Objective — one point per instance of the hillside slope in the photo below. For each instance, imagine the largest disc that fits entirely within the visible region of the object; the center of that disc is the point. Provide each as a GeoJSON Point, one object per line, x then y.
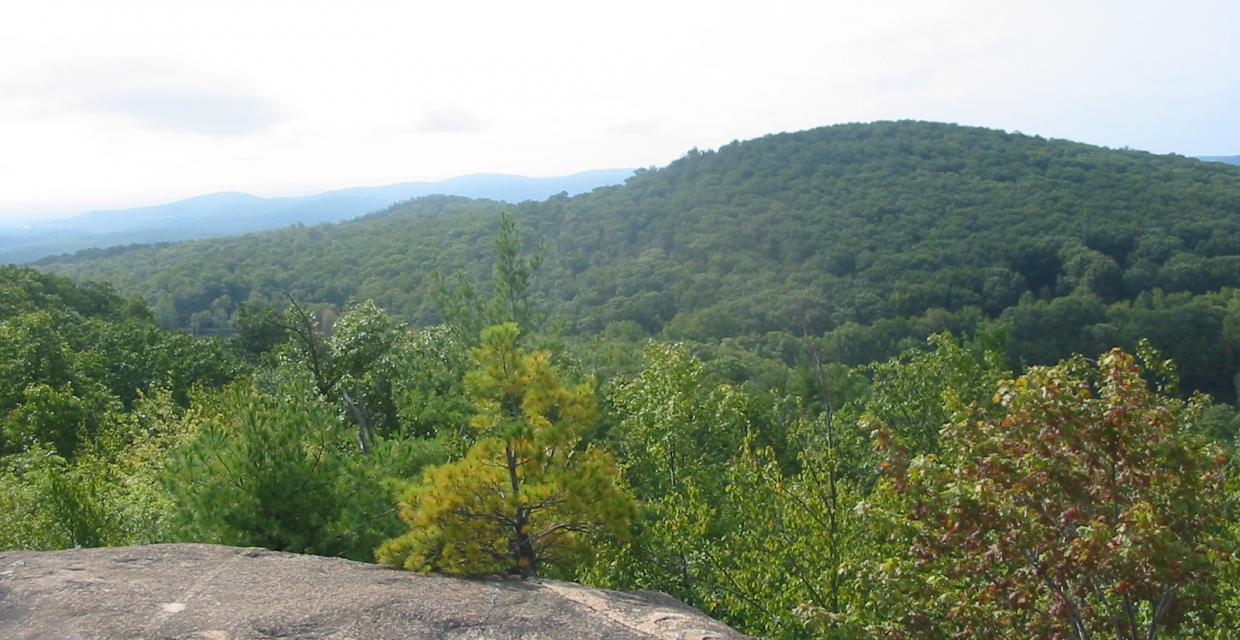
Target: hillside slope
{"type": "Point", "coordinates": [825, 230]}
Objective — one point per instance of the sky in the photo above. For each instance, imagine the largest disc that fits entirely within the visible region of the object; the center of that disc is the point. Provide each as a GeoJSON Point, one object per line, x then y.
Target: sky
{"type": "Point", "coordinates": [128, 102]}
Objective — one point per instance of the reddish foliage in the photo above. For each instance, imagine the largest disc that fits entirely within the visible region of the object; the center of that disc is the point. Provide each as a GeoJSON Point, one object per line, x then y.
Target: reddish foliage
{"type": "Point", "coordinates": [1085, 508]}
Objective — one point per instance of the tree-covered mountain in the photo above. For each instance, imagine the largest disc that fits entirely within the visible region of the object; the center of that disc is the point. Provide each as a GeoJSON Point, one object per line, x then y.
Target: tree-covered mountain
{"type": "Point", "coordinates": [232, 213]}
{"type": "Point", "coordinates": [857, 502]}
{"type": "Point", "coordinates": [868, 235]}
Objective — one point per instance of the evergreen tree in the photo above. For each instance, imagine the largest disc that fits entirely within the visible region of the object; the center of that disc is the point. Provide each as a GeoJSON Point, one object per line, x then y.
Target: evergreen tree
{"type": "Point", "coordinates": [527, 496]}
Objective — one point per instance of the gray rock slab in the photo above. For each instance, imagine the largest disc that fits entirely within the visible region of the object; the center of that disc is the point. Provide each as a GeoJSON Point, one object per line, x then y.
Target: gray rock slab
{"type": "Point", "coordinates": [211, 592]}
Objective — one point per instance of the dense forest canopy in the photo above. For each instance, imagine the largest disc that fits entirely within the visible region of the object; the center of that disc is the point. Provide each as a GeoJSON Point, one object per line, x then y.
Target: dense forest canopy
{"type": "Point", "coordinates": [865, 502]}
{"type": "Point", "coordinates": [860, 381]}
{"type": "Point", "coordinates": [871, 235]}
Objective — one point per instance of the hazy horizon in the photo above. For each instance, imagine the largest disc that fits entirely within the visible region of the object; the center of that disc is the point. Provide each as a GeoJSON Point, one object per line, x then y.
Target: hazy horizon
{"type": "Point", "coordinates": [141, 102]}
{"type": "Point", "coordinates": [18, 219]}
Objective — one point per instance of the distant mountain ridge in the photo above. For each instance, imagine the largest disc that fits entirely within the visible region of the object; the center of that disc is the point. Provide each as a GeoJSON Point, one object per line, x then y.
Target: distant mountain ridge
{"type": "Point", "coordinates": [1228, 159]}
{"type": "Point", "coordinates": [234, 213]}
{"type": "Point", "coordinates": [871, 235]}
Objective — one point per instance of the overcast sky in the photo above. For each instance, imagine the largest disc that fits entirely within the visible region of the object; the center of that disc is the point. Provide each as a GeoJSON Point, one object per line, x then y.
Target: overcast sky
{"type": "Point", "coordinates": [122, 103]}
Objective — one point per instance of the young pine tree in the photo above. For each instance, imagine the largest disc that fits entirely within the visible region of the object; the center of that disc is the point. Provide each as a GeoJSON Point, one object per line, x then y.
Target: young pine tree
{"type": "Point", "coordinates": [527, 496]}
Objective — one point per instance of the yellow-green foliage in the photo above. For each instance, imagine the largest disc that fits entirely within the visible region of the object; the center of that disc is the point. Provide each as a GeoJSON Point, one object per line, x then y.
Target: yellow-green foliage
{"type": "Point", "coordinates": [108, 494]}
{"type": "Point", "coordinates": [526, 496]}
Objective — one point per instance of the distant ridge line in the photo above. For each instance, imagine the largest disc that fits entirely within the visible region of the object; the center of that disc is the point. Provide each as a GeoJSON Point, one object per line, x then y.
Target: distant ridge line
{"type": "Point", "coordinates": [231, 213]}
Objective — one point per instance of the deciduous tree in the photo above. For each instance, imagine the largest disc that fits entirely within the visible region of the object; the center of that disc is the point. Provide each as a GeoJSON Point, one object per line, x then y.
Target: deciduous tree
{"type": "Point", "coordinates": [1083, 506]}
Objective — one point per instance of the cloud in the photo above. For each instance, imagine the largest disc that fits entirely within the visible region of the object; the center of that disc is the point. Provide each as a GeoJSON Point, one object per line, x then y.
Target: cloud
{"type": "Point", "coordinates": [636, 127]}
{"type": "Point", "coordinates": [450, 120]}
{"type": "Point", "coordinates": [203, 112]}
{"type": "Point", "coordinates": [159, 97]}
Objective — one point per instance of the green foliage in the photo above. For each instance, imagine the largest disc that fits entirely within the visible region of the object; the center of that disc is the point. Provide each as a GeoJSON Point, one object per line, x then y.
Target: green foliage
{"type": "Point", "coordinates": [465, 313]}
{"type": "Point", "coordinates": [1194, 330]}
{"type": "Point", "coordinates": [913, 396]}
{"type": "Point", "coordinates": [366, 485]}
{"type": "Point", "coordinates": [428, 384]}
{"type": "Point", "coordinates": [260, 471]}
{"type": "Point", "coordinates": [885, 232]}
{"type": "Point", "coordinates": [108, 494]}
{"type": "Point", "coordinates": [47, 416]}
{"type": "Point", "coordinates": [360, 338]}
{"type": "Point", "coordinates": [677, 426]}
{"type": "Point", "coordinates": [727, 524]}
{"type": "Point", "coordinates": [790, 566]}
{"type": "Point", "coordinates": [25, 290]}
{"type": "Point", "coordinates": [773, 542]}
{"type": "Point", "coordinates": [527, 498]}
{"type": "Point", "coordinates": [275, 469]}
{"type": "Point", "coordinates": [361, 351]}
{"type": "Point", "coordinates": [49, 503]}
{"type": "Point", "coordinates": [258, 329]}
{"type": "Point", "coordinates": [70, 356]}
{"type": "Point", "coordinates": [513, 278]}
{"type": "Point", "coordinates": [353, 364]}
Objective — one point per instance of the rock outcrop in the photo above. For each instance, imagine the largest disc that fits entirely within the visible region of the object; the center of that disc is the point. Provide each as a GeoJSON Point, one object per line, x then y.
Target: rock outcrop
{"type": "Point", "coordinates": [209, 592]}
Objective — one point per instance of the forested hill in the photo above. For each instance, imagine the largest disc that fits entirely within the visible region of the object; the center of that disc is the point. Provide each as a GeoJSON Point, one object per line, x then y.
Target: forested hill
{"type": "Point", "coordinates": [869, 234]}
